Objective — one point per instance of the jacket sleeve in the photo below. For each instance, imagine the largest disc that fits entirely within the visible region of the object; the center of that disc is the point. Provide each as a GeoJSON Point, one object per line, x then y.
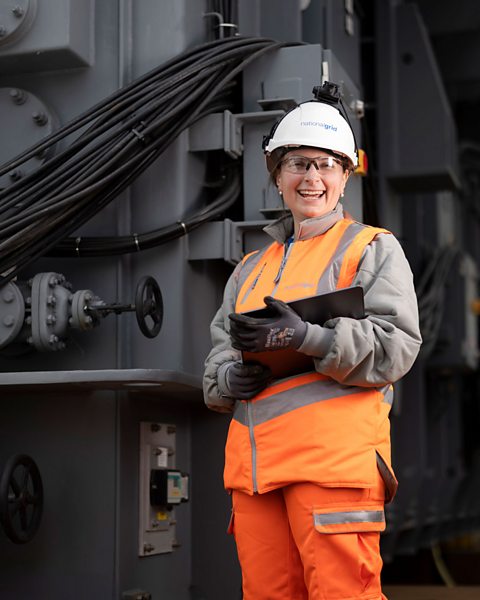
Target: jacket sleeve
{"type": "Point", "coordinates": [222, 351]}
{"type": "Point", "coordinates": [382, 347]}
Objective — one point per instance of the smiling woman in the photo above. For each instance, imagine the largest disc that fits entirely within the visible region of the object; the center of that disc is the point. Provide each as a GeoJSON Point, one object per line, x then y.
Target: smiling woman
{"type": "Point", "coordinates": [311, 183]}
{"type": "Point", "coordinates": [308, 455]}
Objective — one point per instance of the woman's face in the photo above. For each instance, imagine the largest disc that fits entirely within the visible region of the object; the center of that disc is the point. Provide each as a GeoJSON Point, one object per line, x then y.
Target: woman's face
{"type": "Point", "coordinates": [310, 189]}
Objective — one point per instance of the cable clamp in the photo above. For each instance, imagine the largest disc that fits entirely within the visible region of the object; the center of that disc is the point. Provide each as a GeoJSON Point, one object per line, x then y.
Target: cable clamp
{"type": "Point", "coordinates": [138, 134]}
{"type": "Point", "coordinates": [77, 246]}
{"type": "Point", "coordinates": [135, 237]}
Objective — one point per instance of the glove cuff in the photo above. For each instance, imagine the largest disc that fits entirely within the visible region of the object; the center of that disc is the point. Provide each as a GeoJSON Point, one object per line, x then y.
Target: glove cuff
{"type": "Point", "coordinates": [222, 379]}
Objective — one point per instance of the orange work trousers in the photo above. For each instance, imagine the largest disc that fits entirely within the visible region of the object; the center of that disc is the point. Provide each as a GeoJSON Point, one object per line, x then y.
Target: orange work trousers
{"type": "Point", "coordinates": [285, 555]}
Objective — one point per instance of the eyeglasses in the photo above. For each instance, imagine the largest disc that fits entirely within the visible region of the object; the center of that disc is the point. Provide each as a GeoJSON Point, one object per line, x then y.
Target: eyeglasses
{"type": "Point", "coordinates": [299, 165]}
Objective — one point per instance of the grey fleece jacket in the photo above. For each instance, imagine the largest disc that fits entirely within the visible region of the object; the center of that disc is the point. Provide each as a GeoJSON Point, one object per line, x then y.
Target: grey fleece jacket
{"type": "Point", "coordinates": [369, 352]}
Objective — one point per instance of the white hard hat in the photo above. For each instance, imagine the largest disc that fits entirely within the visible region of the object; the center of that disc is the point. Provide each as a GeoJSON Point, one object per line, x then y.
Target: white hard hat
{"type": "Point", "coordinates": [316, 124]}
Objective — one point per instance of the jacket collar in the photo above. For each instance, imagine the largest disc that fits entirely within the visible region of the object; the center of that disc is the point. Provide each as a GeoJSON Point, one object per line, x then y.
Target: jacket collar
{"type": "Point", "coordinates": [281, 229]}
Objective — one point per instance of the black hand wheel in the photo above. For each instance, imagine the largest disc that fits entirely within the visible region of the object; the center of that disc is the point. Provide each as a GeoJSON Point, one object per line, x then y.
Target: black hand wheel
{"type": "Point", "coordinates": [21, 498]}
{"type": "Point", "coordinates": [149, 306]}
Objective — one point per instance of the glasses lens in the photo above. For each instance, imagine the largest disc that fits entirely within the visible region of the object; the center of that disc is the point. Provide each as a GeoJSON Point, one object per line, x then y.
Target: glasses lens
{"type": "Point", "coordinates": [296, 164]}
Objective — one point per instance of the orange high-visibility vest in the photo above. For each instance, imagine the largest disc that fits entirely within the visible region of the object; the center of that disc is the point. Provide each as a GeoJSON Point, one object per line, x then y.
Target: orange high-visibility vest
{"type": "Point", "coordinates": [308, 427]}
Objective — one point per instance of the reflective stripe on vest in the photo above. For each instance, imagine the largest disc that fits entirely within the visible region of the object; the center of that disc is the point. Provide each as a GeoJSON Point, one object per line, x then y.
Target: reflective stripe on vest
{"type": "Point", "coordinates": [309, 388]}
{"type": "Point", "coordinates": [316, 265]}
{"type": "Point", "coordinates": [265, 449]}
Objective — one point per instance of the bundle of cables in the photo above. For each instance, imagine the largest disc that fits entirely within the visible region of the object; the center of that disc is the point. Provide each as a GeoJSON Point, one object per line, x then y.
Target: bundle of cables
{"type": "Point", "coordinates": [120, 137]}
{"type": "Point", "coordinates": [431, 296]}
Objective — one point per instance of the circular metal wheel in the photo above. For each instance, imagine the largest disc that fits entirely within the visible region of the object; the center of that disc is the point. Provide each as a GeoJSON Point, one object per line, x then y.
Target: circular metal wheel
{"type": "Point", "coordinates": [149, 306]}
{"type": "Point", "coordinates": [21, 498]}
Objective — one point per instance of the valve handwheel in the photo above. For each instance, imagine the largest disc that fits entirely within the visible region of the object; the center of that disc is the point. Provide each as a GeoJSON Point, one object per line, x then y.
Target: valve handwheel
{"type": "Point", "coordinates": [149, 306]}
{"type": "Point", "coordinates": [21, 498]}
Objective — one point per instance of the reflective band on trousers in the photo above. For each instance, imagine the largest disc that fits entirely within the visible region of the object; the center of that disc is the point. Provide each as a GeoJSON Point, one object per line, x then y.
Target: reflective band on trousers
{"type": "Point", "coordinates": [356, 516]}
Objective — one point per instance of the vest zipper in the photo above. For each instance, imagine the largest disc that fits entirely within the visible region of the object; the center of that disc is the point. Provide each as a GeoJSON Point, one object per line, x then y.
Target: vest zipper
{"type": "Point", "coordinates": [253, 446]}
{"type": "Point", "coordinates": [286, 254]}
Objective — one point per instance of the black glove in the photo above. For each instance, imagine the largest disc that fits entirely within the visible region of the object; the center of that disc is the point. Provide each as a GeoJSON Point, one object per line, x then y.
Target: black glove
{"type": "Point", "coordinates": [246, 380]}
{"type": "Point", "coordinates": [285, 329]}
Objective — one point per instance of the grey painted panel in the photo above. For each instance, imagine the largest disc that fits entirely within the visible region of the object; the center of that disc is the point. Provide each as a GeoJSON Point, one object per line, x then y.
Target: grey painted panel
{"type": "Point", "coordinates": [72, 439]}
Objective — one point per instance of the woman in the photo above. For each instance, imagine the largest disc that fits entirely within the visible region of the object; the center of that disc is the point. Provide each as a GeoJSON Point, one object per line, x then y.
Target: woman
{"type": "Point", "coordinates": [308, 456]}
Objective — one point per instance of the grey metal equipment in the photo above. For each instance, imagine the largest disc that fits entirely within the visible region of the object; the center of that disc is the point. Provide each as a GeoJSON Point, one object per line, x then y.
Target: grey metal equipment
{"type": "Point", "coordinates": [21, 498]}
{"type": "Point", "coordinates": [39, 313]}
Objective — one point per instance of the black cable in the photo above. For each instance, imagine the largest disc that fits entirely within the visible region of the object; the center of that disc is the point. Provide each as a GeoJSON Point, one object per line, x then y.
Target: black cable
{"type": "Point", "coordinates": [121, 136]}
{"type": "Point", "coordinates": [108, 246]}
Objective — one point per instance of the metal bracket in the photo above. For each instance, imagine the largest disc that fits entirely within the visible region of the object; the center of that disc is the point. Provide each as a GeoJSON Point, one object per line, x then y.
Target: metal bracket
{"type": "Point", "coordinates": [225, 240]}
{"type": "Point", "coordinates": [224, 131]}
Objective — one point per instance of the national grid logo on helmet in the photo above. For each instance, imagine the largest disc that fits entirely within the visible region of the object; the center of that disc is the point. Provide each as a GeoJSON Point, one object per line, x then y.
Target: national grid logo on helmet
{"type": "Point", "coordinates": [318, 124]}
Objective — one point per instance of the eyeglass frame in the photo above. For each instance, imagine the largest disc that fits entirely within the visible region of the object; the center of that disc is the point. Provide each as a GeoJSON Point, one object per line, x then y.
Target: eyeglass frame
{"type": "Point", "coordinates": [312, 161]}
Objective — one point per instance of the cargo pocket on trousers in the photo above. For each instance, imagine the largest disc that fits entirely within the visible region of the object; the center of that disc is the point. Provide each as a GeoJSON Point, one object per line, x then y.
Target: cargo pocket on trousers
{"type": "Point", "coordinates": [360, 520]}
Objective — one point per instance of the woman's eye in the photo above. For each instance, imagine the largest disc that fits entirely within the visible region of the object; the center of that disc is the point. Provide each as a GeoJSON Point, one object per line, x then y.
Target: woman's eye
{"type": "Point", "coordinates": [327, 164]}
{"type": "Point", "coordinates": [299, 163]}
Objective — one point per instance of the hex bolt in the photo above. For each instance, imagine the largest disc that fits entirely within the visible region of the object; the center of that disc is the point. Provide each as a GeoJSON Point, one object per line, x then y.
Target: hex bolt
{"type": "Point", "coordinates": [3, 31]}
{"type": "Point", "coordinates": [8, 320]}
{"type": "Point", "coordinates": [18, 96]}
{"type": "Point", "coordinates": [53, 282]}
{"type": "Point", "coordinates": [62, 345]}
{"type": "Point", "coordinates": [28, 320]}
{"type": "Point", "coordinates": [16, 174]}
{"type": "Point", "coordinates": [88, 297]}
{"type": "Point", "coordinates": [70, 321]}
{"type": "Point", "coordinates": [30, 340]}
{"type": "Point", "coordinates": [51, 319]}
{"type": "Point", "coordinates": [53, 339]}
{"type": "Point", "coordinates": [28, 300]}
{"type": "Point", "coordinates": [88, 320]}
{"type": "Point", "coordinates": [18, 11]}
{"type": "Point", "coordinates": [40, 118]}
{"type": "Point", "coordinates": [51, 300]}
{"type": "Point", "coordinates": [8, 296]}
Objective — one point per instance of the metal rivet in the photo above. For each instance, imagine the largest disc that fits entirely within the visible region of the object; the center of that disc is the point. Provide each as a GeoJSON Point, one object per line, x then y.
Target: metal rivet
{"type": "Point", "coordinates": [18, 11]}
{"type": "Point", "coordinates": [40, 118]}
{"type": "Point", "coordinates": [8, 320]}
{"type": "Point", "coordinates": [18, 96]}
